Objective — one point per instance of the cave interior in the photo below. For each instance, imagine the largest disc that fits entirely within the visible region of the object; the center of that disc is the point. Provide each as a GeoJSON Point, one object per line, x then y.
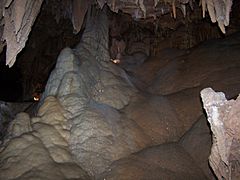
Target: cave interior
{"type": "Point", "coordinates": [120, 89]}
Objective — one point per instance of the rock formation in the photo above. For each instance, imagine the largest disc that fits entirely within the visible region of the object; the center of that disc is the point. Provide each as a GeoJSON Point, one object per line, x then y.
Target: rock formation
{"type": "Point", "coordinates": [154, 163]}
{"type": "Point", "coordinates": [79, 111]}
{"type": "Point", "coordinates": [224, 119]}
{"type": "Point", "coordinates": [38, 146]}
{"type": "Point", "coordinates": [8, 111]}
{"type": "Point", "coordinates": [197, 142]}
{"type": "Point", "coordinates": [219, 10]}
{"type": "Point", "coordinates": [96, 120]}
{"type": "Point", "coordinates": [17, 17]}
{"type": "Point", "coordinates": [92, 90]}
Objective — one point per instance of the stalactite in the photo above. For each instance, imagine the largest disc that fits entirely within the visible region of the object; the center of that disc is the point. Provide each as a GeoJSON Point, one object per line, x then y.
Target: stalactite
{"type": "Point", "coordinates": [219, 11]}
{"type": "Point", "coordinates": [174, 10]}
{"type": "Point", "coordinates": [19, 18]}
{"type": "Point", "coordinates": [183, 8]}
{"type": "Point", "coordinates": [79, 11]}
{"type": "Point", "coordinates": [203, 3]}
{"type": "Point", "coordinates": [156, 2]}
{"type": "Point", "coordinates": [143, 8]}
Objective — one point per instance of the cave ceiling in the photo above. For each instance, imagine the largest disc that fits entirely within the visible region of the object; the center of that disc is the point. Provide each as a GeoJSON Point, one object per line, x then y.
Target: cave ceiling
{"type": "Point", "coordinates": [17, 17]}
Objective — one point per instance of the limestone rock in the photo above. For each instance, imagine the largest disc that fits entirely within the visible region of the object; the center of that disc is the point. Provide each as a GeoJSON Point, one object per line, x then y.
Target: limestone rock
{"type": "Point", "coordinates": [156, 117]}
{"type": "Point", "coordinates": [8, 112]}
{"type": "Point", "coordinates": [91, 118]}
{"type": "Point", "coordinates": [79, 9]}
{"type": "Point", "coordinates": [20, 125]}
{"type": "Point", "coordinates": [197, 142]}
{"type": "Point", "coordinates": [92, 90]}
{"type": "Point", "coordinates": [200, 68]}
{"type": "Point", "coordinates": [147, 72]}
{"type": "Point", "coordinates": [38, 147]}
{"type": "Point", "coordinates": [187, 106]}
{"type": "Point", "coordinates": [219, 11]}
{"type": "Point", "coordinates": [167, 161]}
{"type": "Point", "coordinates": [6, 116]}
{"type": "Point", "coordinates": [101, 135]}
{"type": "Point", "coordinates": [129, 63]}
{"type": "Point", "coordinates": [19, 18]}
{"type": "Point", "coordinates": [223, 116]}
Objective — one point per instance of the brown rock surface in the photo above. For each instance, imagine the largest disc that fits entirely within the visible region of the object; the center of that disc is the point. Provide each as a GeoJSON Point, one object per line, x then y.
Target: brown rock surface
{"type": "Point", "coordinates": [156, 117]}
{"type": "Point", "coordinates": [224, 118]}
{"type": "Point", "coordinates": [167, 161]}
{"type": "Point", "coordinates": [200, 68]}
{"type": "Point", "coordinates": [197, 142]}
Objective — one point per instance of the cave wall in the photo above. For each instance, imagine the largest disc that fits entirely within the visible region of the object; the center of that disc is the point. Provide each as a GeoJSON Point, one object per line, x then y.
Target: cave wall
{"type": "Point", "coordinates": [48, 37]}
{"type": "Point", "coordinates": [151, 35]}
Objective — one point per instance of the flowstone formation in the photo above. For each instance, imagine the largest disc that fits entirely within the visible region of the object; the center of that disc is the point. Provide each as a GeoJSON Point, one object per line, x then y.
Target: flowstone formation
{"type": "Point", "coordinates": [85, 121]}
{"type": "Point", "coordinates": [92, 90]}
{"type": "Point", "coordinates": [38, 147]}
{"type": "Point", "coordinates": [8, 111]}
{"type": "Point", "coordinates": [78, 122]}
{"type": "Point", "coordinates": [96, 120]}
{"type": "Point", "coordinates": [105, 110]}
{"type": "Point", "coordinates": [224, 118]}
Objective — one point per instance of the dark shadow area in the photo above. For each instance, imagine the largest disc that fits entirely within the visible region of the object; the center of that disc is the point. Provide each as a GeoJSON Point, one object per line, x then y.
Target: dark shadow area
{"type": "Point", "coordinates": [10, 80]}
